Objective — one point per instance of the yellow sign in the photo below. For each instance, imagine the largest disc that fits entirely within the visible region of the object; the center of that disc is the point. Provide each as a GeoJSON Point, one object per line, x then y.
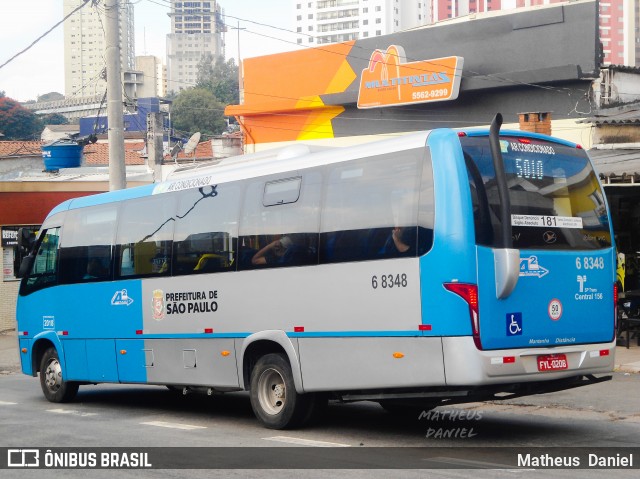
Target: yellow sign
{"type": "Point", "coordinates": [390, 80]}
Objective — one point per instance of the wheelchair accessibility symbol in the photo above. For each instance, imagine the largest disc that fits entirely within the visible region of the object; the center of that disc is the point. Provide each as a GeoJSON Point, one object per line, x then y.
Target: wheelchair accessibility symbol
{"type": "Point", "coordinates": [514, 324]}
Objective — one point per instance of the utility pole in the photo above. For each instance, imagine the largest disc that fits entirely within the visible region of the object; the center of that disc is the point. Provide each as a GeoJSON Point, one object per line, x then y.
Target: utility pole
{"type": "Point", "coordinates": [117, 169]}
{"type": "Point", "coordinates": [240, 84]}
{"type": "Point", "coordinates": [154, 144]}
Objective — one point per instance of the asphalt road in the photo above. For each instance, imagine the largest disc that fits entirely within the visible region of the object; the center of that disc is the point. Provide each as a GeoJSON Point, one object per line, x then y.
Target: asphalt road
{"type": "Point", "coordinates": [222, 429]}
{"type": "Point", "coordinates": [603, 415]}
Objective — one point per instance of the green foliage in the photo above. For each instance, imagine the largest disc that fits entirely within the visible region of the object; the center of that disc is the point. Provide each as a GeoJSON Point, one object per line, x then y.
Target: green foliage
{"type": "Point", "coordinates": [204, 74]}
{"type": "Point", "coordinates": [220, 78]}
{"type": "Point", "coordinates": [54, 119]}
{"type": "Point", "coordinates": [16, 122]}
{"type": "Point", "coordinates": [197, 109]}
{"type": "Point", "coordinates": [202, 108]}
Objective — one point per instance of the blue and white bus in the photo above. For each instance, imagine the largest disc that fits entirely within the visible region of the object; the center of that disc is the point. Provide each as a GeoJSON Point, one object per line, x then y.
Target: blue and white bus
{"type": "Point", "coordinates": [438, 267]}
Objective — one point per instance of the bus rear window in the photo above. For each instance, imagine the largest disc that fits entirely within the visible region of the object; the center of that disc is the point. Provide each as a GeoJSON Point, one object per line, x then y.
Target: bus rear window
{"type": "Point", "coordinates": [556, 199]}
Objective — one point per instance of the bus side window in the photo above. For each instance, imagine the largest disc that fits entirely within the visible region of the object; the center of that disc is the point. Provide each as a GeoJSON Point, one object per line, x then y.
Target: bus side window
{"type": "Point", "coordinates": [426, 207]}
{"type": "Point", "coordinates": [45, 264]}
{"type": "Point", "coordinates": [206, 231]}
{"type": "Point", "coordinates": [86, 244]}
{"type": "Point", "coordinates": [145, 234]}
{"type": "Point", "coordinates": [480, 203]}
{"type": "Point", "coordinates": [370, 208]}
{"type": "Point", "coordinates": [280, 222]}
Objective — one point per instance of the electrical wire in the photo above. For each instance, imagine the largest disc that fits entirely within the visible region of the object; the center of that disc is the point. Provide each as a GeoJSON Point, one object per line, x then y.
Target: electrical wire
{"type": "Point", "coordinates": [85, 2]}
{"type": "Point", "coordinates": [466, 74]}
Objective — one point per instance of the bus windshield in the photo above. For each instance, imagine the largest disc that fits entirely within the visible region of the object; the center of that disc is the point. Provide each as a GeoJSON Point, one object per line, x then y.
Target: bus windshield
{"type": "Point", "coordinates": [556, 199]}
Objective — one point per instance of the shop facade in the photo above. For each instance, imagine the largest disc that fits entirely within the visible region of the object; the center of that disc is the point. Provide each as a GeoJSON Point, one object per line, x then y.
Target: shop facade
{"type": "Point", "coordinates": [453, 74]}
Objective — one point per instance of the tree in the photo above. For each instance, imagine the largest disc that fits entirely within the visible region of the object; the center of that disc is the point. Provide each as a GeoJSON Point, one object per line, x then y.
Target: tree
{"type": "Point", "coordinates": [196, 109]}
{"type": "Point", "coordinates": [54, 119]}
{"type": "Point", "coordinates": [204, 73]}
{"type": "Point", "coordinates": [51, 96]}
{"type": "Point", "coordinates": [219, 77]}
{"type": "Point", "coordinates": [16, 122]}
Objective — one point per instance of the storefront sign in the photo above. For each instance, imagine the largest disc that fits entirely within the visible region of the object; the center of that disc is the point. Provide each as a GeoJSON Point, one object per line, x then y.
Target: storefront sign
{"type": "Point", "coordinates": [390, 80]}
{"type": "Point", "coordinates": [10, 234]}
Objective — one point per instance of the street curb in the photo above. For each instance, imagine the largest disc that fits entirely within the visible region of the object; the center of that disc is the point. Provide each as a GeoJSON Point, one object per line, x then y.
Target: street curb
{"type": "Point", "coordinates": [621, 368]}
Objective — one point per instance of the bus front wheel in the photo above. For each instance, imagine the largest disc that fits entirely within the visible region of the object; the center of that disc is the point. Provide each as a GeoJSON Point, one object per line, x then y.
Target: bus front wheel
{"type": "Point", "coordinates": [274, 399]}
{"type": "Point", "coordinates": [54, 386]}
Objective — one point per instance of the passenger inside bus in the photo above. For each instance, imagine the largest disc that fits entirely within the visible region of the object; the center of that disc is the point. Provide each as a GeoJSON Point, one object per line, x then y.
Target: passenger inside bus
{"type": "Point", "coordinates": [95, 270]}
{"type": "Point", "coordinates": [401, 242]}
{"type": "Point", "coordinates": [274, 252]}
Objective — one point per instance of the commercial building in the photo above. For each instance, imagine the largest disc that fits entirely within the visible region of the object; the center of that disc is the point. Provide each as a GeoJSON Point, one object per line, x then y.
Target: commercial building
{"type": "Point", "coordinates": [330, 21]}
{"type": "Point", "coordinates": [617, 28]}
{"type": "Point", "coordinates": [196, 31]}
{"type": "Point", "coordinates": [450, 74]}
{"type": "Point", "coordinates": [85, 43]}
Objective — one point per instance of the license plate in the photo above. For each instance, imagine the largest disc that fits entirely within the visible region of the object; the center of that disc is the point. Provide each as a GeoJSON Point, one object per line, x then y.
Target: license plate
{"type": "Point", "coordinates": [552, 362]}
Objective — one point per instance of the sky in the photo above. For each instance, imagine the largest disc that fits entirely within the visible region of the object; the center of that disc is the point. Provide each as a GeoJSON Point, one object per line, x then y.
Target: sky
{"type": "Point", "coordinates": [41, 69]}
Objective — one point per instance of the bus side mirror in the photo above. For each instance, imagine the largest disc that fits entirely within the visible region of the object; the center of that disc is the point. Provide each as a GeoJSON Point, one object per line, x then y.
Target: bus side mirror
{"type": "Point", "coordinates": [25, 266]}
{"type": "Point", "coordinates": [23, 261]}
{"type": "Point", "coordinates": [26, 239]}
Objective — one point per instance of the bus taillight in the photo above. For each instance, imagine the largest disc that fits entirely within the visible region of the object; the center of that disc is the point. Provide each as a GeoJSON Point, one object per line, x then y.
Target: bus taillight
{"type": "Point", "coordinates": [469, 292]}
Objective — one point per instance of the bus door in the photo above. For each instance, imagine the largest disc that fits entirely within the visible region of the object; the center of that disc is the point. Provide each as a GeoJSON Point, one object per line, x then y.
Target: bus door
{"type": "Point", "coordinates": [561, 232]}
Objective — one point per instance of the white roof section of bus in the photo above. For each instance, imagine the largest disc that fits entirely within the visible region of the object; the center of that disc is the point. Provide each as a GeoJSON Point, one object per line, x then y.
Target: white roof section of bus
{"type": "Point", "coordinates": [291, 158]}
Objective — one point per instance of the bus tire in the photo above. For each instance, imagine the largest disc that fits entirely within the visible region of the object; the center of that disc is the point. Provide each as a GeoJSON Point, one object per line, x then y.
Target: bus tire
{"type": "Point", "coordinates": [274, 399]}
{"type": "Point", "coordinates": [54, 386]}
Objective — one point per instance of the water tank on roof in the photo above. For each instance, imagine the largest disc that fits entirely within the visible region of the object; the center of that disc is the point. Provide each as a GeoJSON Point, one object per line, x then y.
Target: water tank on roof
{"type": "Point", "coordinates": [62, 154]}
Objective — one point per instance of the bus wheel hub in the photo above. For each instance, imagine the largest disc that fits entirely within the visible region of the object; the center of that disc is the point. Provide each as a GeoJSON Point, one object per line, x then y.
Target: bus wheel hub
{"type": "Point", "coordinates": [278, 391]}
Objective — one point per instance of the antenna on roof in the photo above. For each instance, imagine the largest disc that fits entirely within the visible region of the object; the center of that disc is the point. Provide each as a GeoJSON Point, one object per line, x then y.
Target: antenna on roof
{"type": "Point", "coordinates": [174, 152]}
{"type": "Point", "coordinates": [191, 145]}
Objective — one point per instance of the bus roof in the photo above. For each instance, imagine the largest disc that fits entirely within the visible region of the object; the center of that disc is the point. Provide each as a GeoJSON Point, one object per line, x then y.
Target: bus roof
{"type": "Point", "coordinates": [278, 160]}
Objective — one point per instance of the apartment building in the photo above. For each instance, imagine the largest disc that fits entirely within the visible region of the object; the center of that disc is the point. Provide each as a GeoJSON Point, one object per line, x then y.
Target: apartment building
{"type": "Point", "coordinates": [331, 21]}
{"type": "Point", "coordinates": [155, 77]}
{"type": "Point", "coordinates": [85, 43]}
{"type": "Point", "coordinates": [197, 29]}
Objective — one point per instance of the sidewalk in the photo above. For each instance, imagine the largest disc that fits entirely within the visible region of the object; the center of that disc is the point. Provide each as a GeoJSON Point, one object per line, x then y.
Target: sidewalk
{"type": "Point", "coordinates": [627, 360]}
{"type": "Point", "coordinates": [9, 359]}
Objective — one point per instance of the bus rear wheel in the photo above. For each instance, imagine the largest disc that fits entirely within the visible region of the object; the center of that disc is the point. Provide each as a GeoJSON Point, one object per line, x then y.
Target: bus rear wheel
{"type": "Point", "coordinates": [54, 386]}
{"type": "Point", "coordinates": [274, 399]}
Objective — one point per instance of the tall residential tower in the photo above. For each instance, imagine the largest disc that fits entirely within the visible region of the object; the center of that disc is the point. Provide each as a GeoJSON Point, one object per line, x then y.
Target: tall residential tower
{"type": "Point", "coordinates": [197, 29]}
{"type": "Point", "coordinates": [331, 21]}
{"type": "Point", "coordinates": [84, 47]}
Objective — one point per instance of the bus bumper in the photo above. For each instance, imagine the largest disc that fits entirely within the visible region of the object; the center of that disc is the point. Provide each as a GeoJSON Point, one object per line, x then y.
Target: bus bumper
{"type": "Point", "coordinates": [465, 365]}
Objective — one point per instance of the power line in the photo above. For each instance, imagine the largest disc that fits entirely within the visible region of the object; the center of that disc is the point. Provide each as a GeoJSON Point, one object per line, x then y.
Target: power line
{"type": "Point", "coordinates": [468, 74]}
{"type": "Point", "coordinates": [85, 2]}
